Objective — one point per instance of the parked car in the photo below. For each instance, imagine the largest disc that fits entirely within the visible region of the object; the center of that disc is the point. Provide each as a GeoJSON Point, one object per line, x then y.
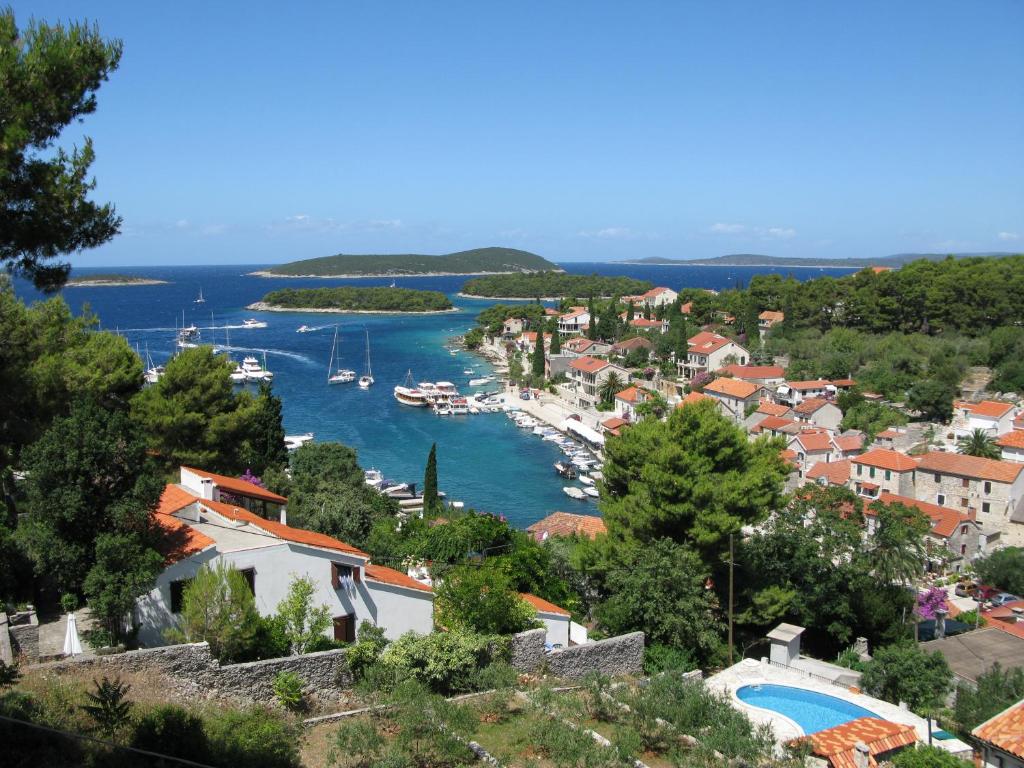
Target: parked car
{"type": "Point", "coordinates": [985, 592]}
{"type": "Point", "coordinates": [1003, 598]}
{"type": "Point", "coordinates": [966, 589]}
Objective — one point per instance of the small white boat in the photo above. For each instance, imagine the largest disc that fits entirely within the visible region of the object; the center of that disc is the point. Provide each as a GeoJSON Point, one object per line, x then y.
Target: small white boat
{"type": "Point", "coordinates": [253, 323]}
{"type": "Point", "coordinates": [303, 329]}
{"type": "Point", "coordinates": [469, 371]}
{"type": "Point", "coordinates": [574, 493]}
{"type": "Point", "coordinates": [481, 381]}
{"type": "Point", "coordinates": [293, 442]}
{"type": "Point", "coordinates": [597, 475]}
{"type": "Point", "coordinates": [592, 492]}
{"type": "Point", "coordinates": [586, 480]}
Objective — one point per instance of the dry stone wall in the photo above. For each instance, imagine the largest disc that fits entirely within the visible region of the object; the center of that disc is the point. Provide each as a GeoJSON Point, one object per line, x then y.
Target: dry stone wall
{"type": "Point", "coordinates": [622, 655]}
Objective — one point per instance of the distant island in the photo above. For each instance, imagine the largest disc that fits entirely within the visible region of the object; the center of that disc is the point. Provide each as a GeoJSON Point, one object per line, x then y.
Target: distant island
{"type": "Point", "coordinates": [479, 261]}
{"type": "Point", "coordinates": [759, 260]}
{"type": "Point", "coordinates": [552, 285]}
{"type": "Point", "coordinates": [354, 300]}
{"type": "Point", "coordinates": [110, 281]}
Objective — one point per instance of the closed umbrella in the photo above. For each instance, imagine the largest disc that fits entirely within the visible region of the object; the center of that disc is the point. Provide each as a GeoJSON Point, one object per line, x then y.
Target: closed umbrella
{"type": "Point", "coordinates": [72, 645]}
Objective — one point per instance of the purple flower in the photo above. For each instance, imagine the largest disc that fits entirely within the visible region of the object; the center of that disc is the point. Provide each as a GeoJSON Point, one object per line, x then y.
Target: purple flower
{"type": "Point", "coordinates": [249, 477]}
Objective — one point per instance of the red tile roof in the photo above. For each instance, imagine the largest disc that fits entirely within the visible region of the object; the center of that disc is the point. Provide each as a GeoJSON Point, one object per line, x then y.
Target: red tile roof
{"type": "Point", "coordinates": [588, 364]}
{"type": "Point", "coordinates": [810, 405]}
{"type": "Point", "coordinates": [754, 371]}
{"type": "Point", "coordinates": [989, 409]}
{"type": "Point", "coordinates": [567, 524]}
{"type": "Point", "coordinates": [641, 322]}
{"type": "Point", "coordinates": [180, 540]}
{"type": "Point", "coordinates": [173, 498]}
{"type": "Point", "coordinates": [732, 388]}
{"type": "Point", "coordinates": [848, 442]}
{"type": "Point", "coordinates": [706, 342]}
{"type": "Point", "coordinates": [630, 395]}
{"type": "Point", "coordinates": [944, 520]}
{"type": "Point", "coordinates": [800, 386]}
{"type": "Point", "coordinates": [834, 472]}
{"type": "Point", "coordinates": [888, 434]}
{"type": "Point", "coordinates": [971, 466]}
{"type": "Point", "coordinates": [773, 317]}
{"type": "Point", "coordinates": [387, 575]}
{"type": "Point", "coordinates": [844, 383]}
{"type": "Point", "coordinates": [240, 487]}
{"type": "Point", "coordinates": [773, 409]}
{"type": "Point", "coordinates": [693, 397]}
{"type": "Point", "coordinates": [627, 345]}
{"type": "Point", "coordinates": [837, 744]}
{"type": "Point", "coordinates": [614, 425]}
{"type": "Point", "coordinates": [574, 312]}
{"type": "Point", "coordinates": [886, 459]}
{"type": "Point", "coordinates": [815, 442]}
{"type": "Point", "coordinates": [772, 424]}
{"type": "Point", "coordinates": [1013, 439]}
{"type": "Point", "coordinates": [543, 605]}
{"type": "Point", "coordinates": [654, 293]}
{"type": "Point", "coordinates": [1005, 731]}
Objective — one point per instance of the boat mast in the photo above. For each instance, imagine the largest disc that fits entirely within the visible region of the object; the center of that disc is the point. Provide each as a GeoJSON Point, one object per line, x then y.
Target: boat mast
{"type": "Point", "coordinates": [368, 371]}
{"type": "Point", "coordinates": [334, 346]}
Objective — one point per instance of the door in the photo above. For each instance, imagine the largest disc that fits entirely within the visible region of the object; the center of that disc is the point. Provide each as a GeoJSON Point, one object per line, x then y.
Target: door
{"type": "Point", "coordinates": [345, 628]}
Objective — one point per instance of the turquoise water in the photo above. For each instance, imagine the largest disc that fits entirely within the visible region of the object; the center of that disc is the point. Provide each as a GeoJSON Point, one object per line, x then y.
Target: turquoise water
{"type": "Point", "coordinates": [483, 460]}
{"type": "Point", "coordinates": [810, 710]}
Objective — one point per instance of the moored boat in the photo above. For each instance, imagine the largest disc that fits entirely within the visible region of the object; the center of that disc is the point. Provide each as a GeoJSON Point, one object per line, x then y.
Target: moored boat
{"type": "Point", "coordinates": [574, 493]}
{"type": "Point", "coordinates": [410, 395]}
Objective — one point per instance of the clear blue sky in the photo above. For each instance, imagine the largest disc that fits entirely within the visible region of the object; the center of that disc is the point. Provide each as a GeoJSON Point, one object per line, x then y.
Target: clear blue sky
{"type": "Point", "coordinates": [264, 132]}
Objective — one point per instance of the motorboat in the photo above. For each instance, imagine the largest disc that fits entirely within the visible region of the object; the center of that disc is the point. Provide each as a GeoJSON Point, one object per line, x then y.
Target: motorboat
{"type": "Point", "coordinates": [586, 480]}
{"type": "Point", "coordinates": [592, 492]}
{"type": "Point", "coordinates": [294, 442]}
{"type": "Point", "coordinates": [253, 323]}
{"type": "Point", "coordinates": [340, 375]}
{"type": "Point", "coordinates": [565, 470]}
{"type": "Point", "coordinates": [366, 380]}
{"type": "Point", "coordinates": [574, 493]}
{"type": "Point", "coordinates": [373, 477]}
{"type": "Point", "coordinates": [238, 375]}
{"type": "Point", "coordinates": [481, 381]}
{"type": "Point", "coordinates": [303, 329]}
{"type": "Point", "coordinates": [469, 371]}
{"type": "Point", "coordinates": [410, 395]}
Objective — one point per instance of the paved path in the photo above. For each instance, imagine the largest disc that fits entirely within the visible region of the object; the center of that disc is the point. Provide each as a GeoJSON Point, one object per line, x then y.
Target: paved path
{"type": "Point", "coordinates": [51, 634]}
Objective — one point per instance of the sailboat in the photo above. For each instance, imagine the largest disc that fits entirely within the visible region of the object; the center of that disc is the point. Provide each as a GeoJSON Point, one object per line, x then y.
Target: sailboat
{"type": "Point", "coordinates": [153, 371]}
{"type": "Point", "coordinates": [342, 375]}
{"type": "Point", "coordinates": [367, 378]}
{"type": "Point", "coordinates": [200, 300]}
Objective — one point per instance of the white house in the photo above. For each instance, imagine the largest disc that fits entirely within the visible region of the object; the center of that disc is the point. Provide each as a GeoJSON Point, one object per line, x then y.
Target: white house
{"type": "Point", "coordinates": [795, 392]}
{"type": "Point", "coordinates": [512, 327]}
{"type": "Point", "coordinates": [231, 490]}
{"type": "Point", "coordinates": [1012, 445]}
{"type": "Point", "coordinates": [1000, 739]}
{"type": "Point", "coordinates": [574, 321]}
{"type": "Point", "coordinates": [589, 374]}
{"type": "Point", "coordinates": [659, 297]}
{"type": "Point", "coordinates": [993, 417]}
{"type": "Point", "coordinates": [709, 352]}
{"type": "Point", "coordinates": [734, 396]}
{"type": "Point", "coordinates": [767, 375]}
{"type": "Point", "coordinates": [626, 402]}
{"type": "Point", "coordinates": [269, 554]}
{"type": "Point", "coordinates": [556, 620]}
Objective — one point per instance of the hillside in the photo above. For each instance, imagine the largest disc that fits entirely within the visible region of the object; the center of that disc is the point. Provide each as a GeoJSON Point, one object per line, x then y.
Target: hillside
{"type": "Point", "coordinates": [473, 262]}
{"type": "Point", "coordinates": [354, 300]}
{"type": "Point", "coordinates": [759, 260]}
{"type": "Point", "coordinates": [540, 285]}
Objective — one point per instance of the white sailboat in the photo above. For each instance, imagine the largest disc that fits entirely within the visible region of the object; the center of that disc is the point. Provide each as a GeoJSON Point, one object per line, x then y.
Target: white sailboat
{"type": "Point", "coordinates": [153, 371]}
{"type": "Point", "coordinates": [342, 375]}
{"type": "Point", "coordinates": [200, 300]}
{"type": "Point", "coordinates": [366, 380]}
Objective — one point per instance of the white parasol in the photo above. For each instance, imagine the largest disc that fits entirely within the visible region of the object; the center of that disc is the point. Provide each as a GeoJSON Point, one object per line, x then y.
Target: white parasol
{"type": "Point", "coordinates": [72, 645]}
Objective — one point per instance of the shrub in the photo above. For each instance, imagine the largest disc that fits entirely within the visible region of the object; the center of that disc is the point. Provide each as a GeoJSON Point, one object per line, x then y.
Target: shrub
{"type": "Point", "coordinates": [68, 602]}
{"type": "Point", "coordinates": [927, 757]}
{"type": "Point", "coordinates": [108, 706]}
{"type": "Point", "coordinates": [28, 746]}
{"type": "Point", "coordinates": [445, 662]}
{"type": "Point", "coordinates": [253, 738]}
{"type": "Point", "coordinates": [173, 731]}
{"type": "Point", "coordinates": [907, 673]}
{"type": "Point", "coordinates": [304, 623]}
{"type": "Point", "coordinates": [667, 658]}
{"type": "Point", "coordinates": [365, 652]}
{"type": "Point", "coordinates": [288, 690]}
{"type": "Point", "coordinates": [9, 675]}
{"type": "Point", "coordinates": [357, 744]}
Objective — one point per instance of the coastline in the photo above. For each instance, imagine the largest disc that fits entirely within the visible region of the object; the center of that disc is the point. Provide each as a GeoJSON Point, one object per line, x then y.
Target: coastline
{"type": "Point", "coordinates": [114, 283]}
{"type": "Point", "coordinates": [513, 298]}
{"type": "Point", "coordinates": [259, 306]}
{"type": "Point", "coordinates": [267, 273]}
{"type": "Point", "coordinates": [734, 266]}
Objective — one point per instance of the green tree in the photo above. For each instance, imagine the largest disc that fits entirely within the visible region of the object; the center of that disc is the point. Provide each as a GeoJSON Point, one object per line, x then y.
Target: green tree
{"type": "Point", "coordinates": [265, 445]}
{"type": "Point", "coordinates": [50, 75]}
{"type": "Point", "coordinates": [978, 443]}
{"type": "Point", "coordinates": [88, 474]}
{"type": "Point", "coordinates": [218, 607]}
{"type": "Point", "coordinates": [927, 757]}
{"type": "Point", "coordinates": [431, 502]}
{"type": "Point", "coordinates": [537, 359]}
{"type": "Point", "coordinates": [694, 478]}
{"type": "Point", "coordinates": [610, 387]}
{"type": "Point", "coordinates": [906, 673]}
{"type": "Point", "coordinates": [125, 568]}
{"type": "Point", "coordinates": [556, 340]}
{"type": "Point", "coordinates": [480, 599]}
{"type": "Point", "coordinates": [995, 690]}
{"type": "Point", "coordinates": [1004, 568]}
{"type": "Point", "coordinates": [304, 623]}
{"type": "Point", "coordinates": [896, 550]}
{"type": "Point", "coordinates": [592, 325]}
{"type": "Point", "coordinates": [933, 398]}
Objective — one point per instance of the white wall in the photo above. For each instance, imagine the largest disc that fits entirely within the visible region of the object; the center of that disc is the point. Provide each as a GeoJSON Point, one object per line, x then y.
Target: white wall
{"type": "Point", "coordinates": [557, 626]}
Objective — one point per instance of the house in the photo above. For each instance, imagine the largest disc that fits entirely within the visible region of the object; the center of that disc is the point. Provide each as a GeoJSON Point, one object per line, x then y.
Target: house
{"type": "Point", "coordinates": [567, 524]}
{"type": "Point", "coordinates": [776, 426]}
{"type": "Point", "coordinates": [1002, 738]}
{"type": "Point", "coordinates": [613, 426]}
{"type": "Point", "coordinates": [580, 345]}
{"type": "Point", "coordinates": [849, 444]}
{"type": "Point", "coordinates": [686, 308]}
{"type": "Point", "coordinates": [269, 554]}
{"type": "Point", "coordinates": [643, 324]}
{"type": "Point", "coordinates": [830, 473]}
{"type": "Point", "coordinates": [811, 447]}
{"type": "Point", "coordinates": [865, 741]}
{"type": "Point", "coordinates": [232, 490]}
{"type": "Point", "coordinates": [734, 396]}
{"type": "Point", "coordinates": [624, 347]}
{"type": "Point", "coordinates": [573, 322]}
{"type": "Point", "coordinates": [993, 489]}
{"type": "Point", "coordinates": [972, 654]}
{"type": "Point", "coordinates": [992, 417]}
{"type": "Point", "coordinates": [659, 297]}
{"type": "Point", "coordinates": [768, 320]}
{"type": "Point", "coordinates": [955, 537]}
{"type": "Point", "coordinates": [819, 412]}
{"type": "Point", "coordinates": [795, 392]}
{"type": "Point", "coordinates": [692, 397]}
{"type": "Point", "coordinates": [709, 352]}
{"type": "Point", "coordinates": [527, 341]}
{"type": "Point", "coordinates": [626, 402]}
{"type": "Point", "coordinates": [512, 327]}
{"type": "Point", "coordinates": [765, 375]}
{"type": "Point", "coordinates": [556, 620]}
{"type": "Point", "coordinates": [765, 409]}
{"type": "Point", "coordinates": [881, 470]}
{"type": "Point", "coordinates": [892, 437]}
{"type": "Point", "coordinates": [551, 312]}
{"type": "Point", "coordinates": [589, 374]}
{"type": "Point", "coordinates": [1012, 445]}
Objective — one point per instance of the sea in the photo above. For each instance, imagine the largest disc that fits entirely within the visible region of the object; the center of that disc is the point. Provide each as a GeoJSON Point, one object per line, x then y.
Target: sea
{"type": "Point", "coordinates": [483, 460]}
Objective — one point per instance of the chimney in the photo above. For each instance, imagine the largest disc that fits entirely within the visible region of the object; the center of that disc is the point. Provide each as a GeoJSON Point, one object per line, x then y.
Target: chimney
{"type": "Point", "coordinates": [861, 755]}
{"type": "Point", "coordinates": [1018, 615]}
{"type": "Point", "coordinates": [206, 488]}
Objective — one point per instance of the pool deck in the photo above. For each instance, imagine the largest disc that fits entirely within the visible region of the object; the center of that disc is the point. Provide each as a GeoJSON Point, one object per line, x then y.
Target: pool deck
{"type": "Point", "coordinates": [754, 672]}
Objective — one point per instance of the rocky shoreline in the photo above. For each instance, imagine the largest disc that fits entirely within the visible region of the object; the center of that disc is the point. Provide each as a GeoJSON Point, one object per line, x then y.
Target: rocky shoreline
{"type": "Point", "coordinates": [259, 306]}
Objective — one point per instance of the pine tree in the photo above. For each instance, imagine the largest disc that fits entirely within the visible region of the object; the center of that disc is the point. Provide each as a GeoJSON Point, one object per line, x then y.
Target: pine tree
{"type": "Point", "coordinates": [430, 498]}
{"type": "Point", "coordinates": [630, 312]}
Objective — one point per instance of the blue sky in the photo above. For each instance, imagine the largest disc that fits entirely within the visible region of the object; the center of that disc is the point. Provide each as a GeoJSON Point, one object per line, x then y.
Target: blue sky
{"type": "Point", "coordinates": [264, 132]}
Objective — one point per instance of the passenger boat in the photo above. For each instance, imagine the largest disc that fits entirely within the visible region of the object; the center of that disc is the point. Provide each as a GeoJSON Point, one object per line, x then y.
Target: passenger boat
{"type": "Point", "coordinates": [407, 394]}
{"type": "Point", "coordinates": [253, 323]}
{"type": "Point", "coordinates": [574, 493]}
{"type": "Point", "coordinates": [459, 406]}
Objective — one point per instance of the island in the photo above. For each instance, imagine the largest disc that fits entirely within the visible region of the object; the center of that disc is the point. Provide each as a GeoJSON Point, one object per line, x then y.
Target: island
{"type": "Point", "coordinates": [350, 300]}
{"type": "Point", "coordinates": [759, 260]}
{"type": "Point", "coordinates": [110, 281]}
{"type": "Point", "coordinates": [552, 285]}
{"type": "Point", "coordinates": [478, 261]}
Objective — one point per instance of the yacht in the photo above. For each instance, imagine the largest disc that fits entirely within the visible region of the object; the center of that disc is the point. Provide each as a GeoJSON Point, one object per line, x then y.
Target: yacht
{"type": "Point", "coordinates": [373, 477]}
{"type": "Point", "coordinates": [238, 376]}
{"type": "Point", "coordinates": [407, 394]}
{"type": "Point", "coordinates": [153, 371]}
{"type": "Point", "coordinates": [574, 493]}
{"type": "Point", "coordinates": [366, 380]}
{"type": "Point", "coordinates": [254, 371]}
{"type": "Point", "coordinates": [294, 442]}
{"type": "Point", "coordinates": [253, 323]}
{"type": "Point", "coordinates": [188, 337]}
{"type": "Point", "coordinates": [303, 329]}
{"type": "Point", "coordinates": [341, 375]}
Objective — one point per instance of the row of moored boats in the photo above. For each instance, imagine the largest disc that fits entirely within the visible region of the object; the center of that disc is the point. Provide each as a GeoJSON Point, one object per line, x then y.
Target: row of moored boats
{"type": "Point", "coordinates": [580, 463]}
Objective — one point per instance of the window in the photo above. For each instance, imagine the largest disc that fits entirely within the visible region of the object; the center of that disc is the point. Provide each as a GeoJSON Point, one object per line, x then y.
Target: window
{"type": "Point", "coordinates": [345, 628]}
{"type": "Point", "coordinates": [940, 499]}
{"type": "Point", "coordinates": [178, 594]}
{"type": "Point", "coordinates": [965, 483]}
{"type": "Point", "coordinates": [963, 549]}
{"type": "Point", "coordinates": [888, 475]}
{"type": "Point", "coordinates": [963, 530]}
{"type": "Point", "coordinates": [859, 467]}
{"type": "Point", "coordinates": [871, 471]}
{"type": "Point", "coordinates": [938, 478]}
{"type": "Point", "coordinates": [963, 502]}
{"type": "Point", "coordinates": [249, 574]}
{"type": "Point", "coordinates": [344, 575]}
{"type": "Point", "coordinates": [985, 507]}
{"type": "Point", "coordinates": [988, 487]}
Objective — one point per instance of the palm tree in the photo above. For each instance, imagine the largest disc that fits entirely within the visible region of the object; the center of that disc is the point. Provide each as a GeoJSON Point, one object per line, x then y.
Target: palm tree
{"type": "Point", "coordinates": [978, 443]}
{"type": "Point", "coordinates": [611, 387]}
{"type": "Point", "coordinates": [897, 549]}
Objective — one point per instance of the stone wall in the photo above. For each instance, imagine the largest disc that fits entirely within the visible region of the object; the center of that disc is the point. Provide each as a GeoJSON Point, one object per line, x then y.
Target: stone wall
{"type": "Point", "coordinates": [24, 636]}
{"type": "Point", "coordinates": [6, 651]}
{"type": "Point", "coordinates": [622, 655]}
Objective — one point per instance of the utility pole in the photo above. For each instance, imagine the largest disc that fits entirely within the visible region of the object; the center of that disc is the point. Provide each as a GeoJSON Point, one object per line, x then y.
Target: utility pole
{"type": "Point", "coordinates": [730, 599]}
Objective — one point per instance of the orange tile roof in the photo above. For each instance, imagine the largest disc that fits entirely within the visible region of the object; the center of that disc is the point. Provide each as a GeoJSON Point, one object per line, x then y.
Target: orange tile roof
{"type": "Point", "coordinates": [815, 442]}
{"type": "Point", "coordinates": [1004, 619]}
{"type": "Point", "coordinates": [629, 395]}
{"type": "Point", "coordinates": [880, 270]}
{"type": "Point", "coordinates": [754, 371]}
{"type": "Point", "coordinates": [772, 409]}
{"type": "Point", "coordinates": [578, 344]}
{"type": "Point", "coordinates": [837, 744]}
{"type": "Point", "coordinates": [614, 425]}
{"type": "Point", "coordinates": [532, 336]}
{"type": "Point", "coordinates": [844, 382]}
{"type": "Point", "coordinates": [636, 342]}
{"type": "Point", "coordinates": [886, 459]}
{"type": "Point", "coordinates": [234, 485]}
{"type": "Point", "coordinates": [180, 540]}
{"type": "Point", "coordinates": [551, 312]}
{"type": "Point", "coordinates": [774, 317]}
{"type": "Point", "coordinates": [802, 385]}
{"type": "Point", "coordinates": [944, 520]}
{"type": "Point", "coordinates": [888, 434]}
{"type": "Point", "coordinates": [971, 466]}
{"type": "Point", "coordinates": [387, 575]}
{"type": "Point", "coordinates": [654, 292]}
{"type": "Point", "coordinates": [1005, 731]}
{"type": "Point", "coordinates": [567, 524]}
{"type": "Point", "coordinates": [989, 409]}
{"type": "Point", "coordinates": [772, 424]}
{"type": "Point", "coordinates": [686, 308]}
{"type": "Point", "coordinates": [834, 472]}
{"type": "Point", "coordinates": [1013, 439]}
{"type": "Point", "coordinates": [574, 312]}
{"type": "Point", "coordinates": [810, 405]}
{"type": "Point", "coordinates": [732, 388]}
{"type": "Point", "coordinates": [641, 322]}
{"type": "Point", "coordinates": [543, 605]}
{"type": "Point", "coordinates": [693, 397]}
{"type": "Point", "coordinates": [588, 364]}
{"type": "Point", "coordinates": [848, 442]}
{"type": "Point", "coordinates": [706, 342]}
{"type": "Point", "coordinates": [173, 498]}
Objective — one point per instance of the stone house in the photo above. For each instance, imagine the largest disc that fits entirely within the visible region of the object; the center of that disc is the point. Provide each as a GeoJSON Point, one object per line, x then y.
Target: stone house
{"type": "Point", "coordinates": [882, 471]}
{"type": "Point", "coordinates": [955, 537]}
{"type": "Point", "coordinates": [765, 409]}
{"type": "Point", "coordinates": [588, 374]}
{"type": "Point", "coordinates": [709, 352]}
{"type": "Point", "coordinates": [512, 327]}
{"type": "Point", "coordinates": [992, 489]}
{"type": "Point", "coordinates": [819, 412]}
{"type": "Point", "coordinates": [1012, 445]}
{"type": "Point", "coordinates": [812, 446]}
{"type": "Point", "coordinates": [830, 473]}
{"type": "Point", "coordinates": [768, 320]}
{"type": "Point", "coordinates": [992, 417]}
{"type": "Point", "coordinates": [734, 396]}
{"type": "Point", "coordinates": [580, 345]}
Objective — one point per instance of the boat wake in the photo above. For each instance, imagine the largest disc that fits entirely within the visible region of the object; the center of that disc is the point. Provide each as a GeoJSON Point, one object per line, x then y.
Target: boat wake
{"type": "Point", "coordinates": [278, 352]}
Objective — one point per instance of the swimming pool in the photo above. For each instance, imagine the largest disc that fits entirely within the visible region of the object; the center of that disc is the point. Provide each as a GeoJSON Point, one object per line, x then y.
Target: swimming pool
{"type": "Point", "coordinates": [810, 710]}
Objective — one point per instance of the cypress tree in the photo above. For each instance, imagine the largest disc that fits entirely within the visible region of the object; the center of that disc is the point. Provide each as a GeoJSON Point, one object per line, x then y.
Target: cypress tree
{"type": "Point", "coordinates": [556, 342]}
{"type": "Point", "coordinates": [592, 327]}
{"type": "Point", "coordinates": [430, 498]}
{"type": "Point", "coordinates": [537, 359]}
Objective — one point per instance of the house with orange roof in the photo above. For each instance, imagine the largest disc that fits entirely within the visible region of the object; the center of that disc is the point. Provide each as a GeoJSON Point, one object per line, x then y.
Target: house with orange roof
{"type": "Point", "coordinates": [812, 446]}
{"type": "Point", "coordinates": [707, 351]}
{"type": "Point", "coordinates": [573, 322]}
{"type": "Point", "coordinates": [830, 473]}
{"type": "Point", "coordinates": [849, 444]}
{"type": "Point", "coordinates": [659, 297]}
{"type": "Point", "coordinates": [581, 345]}
{"type": "Point", "coordinates": [795, 392]}
{"type": "Point", "coordinates": [613, 426]}
{"type": "Point", "coordinates": [819, 412]}
{"type": "Point", "coordinates": [692, 397]}
{"type": "Point", "coordinates": [686, 308]}
{"type": "Point", "coordinates": [1002, 738]}
{"type": "Point", "coordinates": [735, 396]}
{"type": "Point", "coordinates": [643, 324]}
{"type": "Point", "coordinates": [776, 426]}
{"type": "Point", "coordinates": [768, 320]}
{"type": "Point", "coordinates": [1012, 445]}
{"type": "Point", "coordinates": [993, 489]}
{"type": "Point", "coordinates": [624, 347]}
{"type": "Point", "coordinates": [269, 554]}
{"type": "Point", "coordinates": [864, 742]}
{"type": "Point", "coordinates": [587, 376]}
{"type": "Point", "coordinates": [626, 402]}
{"type": "Point", "coordinates": [233, 490]}
{"type": "Point", "coordinates": [556, 620]}
{"type": "Point", "coordinates": [956, 538]}
{"type": "Point", "coordinates": [567, 524]}
{"type": "Point", "coordinates": [881, 470]}
{"type": "Point", "coordinates": [767, 408]}
{"type": "Point", "coordinates": [527, 341]}
{"type": "Point", "coordinates": [993, 417]}
{"type": "Point", "coordinates": [766, 375]}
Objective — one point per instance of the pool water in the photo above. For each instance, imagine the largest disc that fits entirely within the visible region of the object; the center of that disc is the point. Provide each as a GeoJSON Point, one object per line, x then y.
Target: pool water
{"type": "Point", "coordinates": [810, 710]}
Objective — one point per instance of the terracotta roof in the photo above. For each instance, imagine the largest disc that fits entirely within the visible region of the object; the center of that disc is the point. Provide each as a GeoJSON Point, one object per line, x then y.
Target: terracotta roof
{"type": "Point", "coordinates": [1013, 439]}
{"type": "Point", "coordinates": [173, 498]}
{"type": "Point", "coordinates": [614, 424]}
{"type": "Point", "coordinates": [641, 322]}
{"type": "Point", "coordinates": [588, 364]}
{"type": "Point", "coordinates": [844, 382]}
{"type": "Point", "coordinates": [706, 342]}
{"type": "Point", "coordinates": [886, 459]}
{"type": "Point", "coordinates": [789, 456]}
{"type": "Point", "coordinates": [732, 388]}
{"type": "Point", "coordinates": [579, 344]}
{"type": "Point", "coordinates": [802, 385]}
{"type": "Point", "coordinates": [773, 409]}
{"type": "Point", "coordinates": [532, 336]}
{"type": "Point", "coordinates": [693, 397]}
{"type": "Point", "coordinates": [944, 520]}
{"type": "Point", "coordinates": [387, 575]}
{"type": "Point", "coordinates": [810, 405]}
{"type": "Point", "coordinates": [1005, 731]}
{"type": "Point", "coordinates": [629, 395]}
{"type": "Point", "coordinates": [989, 409]}
{"type": "Point", "coordinates": [888, 434]}
{"type": "Point", "coordinates": [815, 441]}
{"type": "Point", "coordinates": [834, 472]}
{"type": "Point", "coordinates": [848, 442]}
{"type": "Point", "coordinates": [837, 744]}
{"type": "Point", "coordinates": [1004, 619]}
{"type": "Point", "coordinates": [774, 317]}
{"type": "Point", "coordinates": [543, 605]}
{"type": "Point", "coordinates": [654, 292]}
{"type": "Point", "coordinates": [180, 540]}
{"type": "Point", "coordinates": [574, 312]}
{"type": "Point", "coordinates": [234, 485]}
{"type": "Point", "coordinates": [567, 524]}
{"type": "Point", "coordinates": [686, 308]}
{"type": "Point", "coordinates": [971, 466]}
{"type": "Point", "coordinates": [772, 423]}
{"type": "Point", "coordinates": [551, 312]}
{"type": "Point", "coordinates": [627, 345]}
{"type": "Point", "coordinates": [754, 371]}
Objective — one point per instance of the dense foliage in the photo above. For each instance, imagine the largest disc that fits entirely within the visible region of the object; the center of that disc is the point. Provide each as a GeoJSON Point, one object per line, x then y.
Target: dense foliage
{"type": "Point", "coordinates": [50, 74]}
{"type": "Point", "coordinates": [363, 299]}
{"type": "Point", "coordinates": [1004, 569]}
{"type": "Point", "coordinates": [553, 284]}
{"type": "Point", "coordinates": [994, 691]}
{"type": "Point", "coordinates": [906, 673]}
{"type": "Point", "coordinates": [482, 600]}
{"type": "Point", "coordinates": [474, 261]}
